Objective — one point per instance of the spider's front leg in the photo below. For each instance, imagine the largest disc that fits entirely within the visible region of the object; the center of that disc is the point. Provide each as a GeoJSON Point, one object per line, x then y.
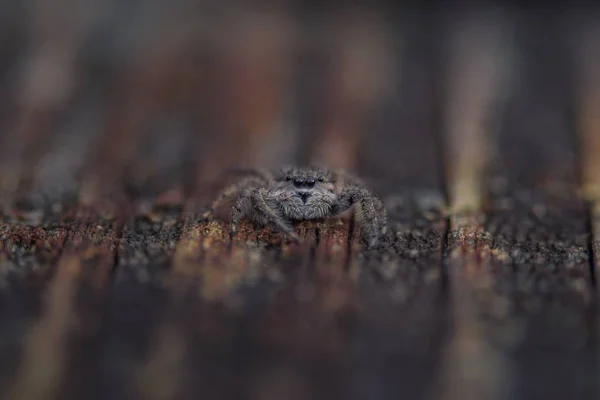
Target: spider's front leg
{"type": "Point", "coordinates": [261, 206]}
{"type": "Point", "coordinates": [252, 201]}
{"type": "Point", "coordinates": [229, 193]}
{"type": "Point", "coordinates": [373, 217]}
{"type": "Point", "coordinates": [240, 209]}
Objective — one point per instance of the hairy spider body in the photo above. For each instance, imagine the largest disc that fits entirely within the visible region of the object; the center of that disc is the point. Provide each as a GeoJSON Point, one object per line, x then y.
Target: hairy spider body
{"type": "Point", "coordinates": [293, 194]}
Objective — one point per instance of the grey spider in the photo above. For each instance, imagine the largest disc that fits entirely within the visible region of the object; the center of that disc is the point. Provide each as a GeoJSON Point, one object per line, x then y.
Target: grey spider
{"type": "Point", "coordinates": [293, 194]}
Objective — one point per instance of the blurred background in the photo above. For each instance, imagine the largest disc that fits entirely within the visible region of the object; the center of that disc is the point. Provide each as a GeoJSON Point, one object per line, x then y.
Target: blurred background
{"type": "Point", "coordinates": [118, 119]}
{"type": "Point", "coordinates": [281, 82]}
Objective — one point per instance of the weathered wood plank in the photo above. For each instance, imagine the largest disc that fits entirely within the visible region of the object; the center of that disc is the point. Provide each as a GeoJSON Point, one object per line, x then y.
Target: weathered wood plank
{"type": "Point", "coordinates": [479, 55]}
{"type": "Point", "coordinates": [529, 259]}
{"type": "Point", "coordinates": [126, 306]}
{"type": "Point", "coordinates": [82, 273]}
{"type": "Point", "coordinates": [36, 231]}
{"type": "Point", "coordinates": [130, 295]}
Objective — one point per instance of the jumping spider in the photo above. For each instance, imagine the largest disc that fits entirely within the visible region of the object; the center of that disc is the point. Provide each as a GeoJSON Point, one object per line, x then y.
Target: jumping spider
{"type": "Point", "coordinates": [280, 198]}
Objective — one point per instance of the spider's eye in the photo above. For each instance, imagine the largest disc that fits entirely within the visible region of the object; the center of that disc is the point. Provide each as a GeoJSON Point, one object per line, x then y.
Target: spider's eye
{"type": "Point", "coordinates": [320, 179]}
{"type": "Point", "coordinates": [288, 178]}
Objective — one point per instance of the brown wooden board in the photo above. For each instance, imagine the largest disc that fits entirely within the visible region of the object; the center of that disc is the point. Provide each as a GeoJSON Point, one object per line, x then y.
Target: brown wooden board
{"type": "Point", "coordinates": [539, 226]}
{"type": "Point", "coordinates": [112, 286]}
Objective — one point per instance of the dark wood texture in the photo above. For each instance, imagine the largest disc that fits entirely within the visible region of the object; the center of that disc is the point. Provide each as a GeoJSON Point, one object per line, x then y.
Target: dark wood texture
{"type": "Point", "coordinates": [111, 287]}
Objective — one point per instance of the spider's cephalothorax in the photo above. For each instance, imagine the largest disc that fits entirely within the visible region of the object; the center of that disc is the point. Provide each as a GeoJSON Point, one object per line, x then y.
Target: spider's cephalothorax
{"type": "Point", "coordinates": [279, 199]}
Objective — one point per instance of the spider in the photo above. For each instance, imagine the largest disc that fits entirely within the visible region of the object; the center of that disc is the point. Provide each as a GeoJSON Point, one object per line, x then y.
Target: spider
{"type": "Point", "coordinates": [292, 194]}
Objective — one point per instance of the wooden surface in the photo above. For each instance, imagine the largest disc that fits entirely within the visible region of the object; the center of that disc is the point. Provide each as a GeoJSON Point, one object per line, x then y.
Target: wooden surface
{"type": "Point", "coordinates": [478, 134]}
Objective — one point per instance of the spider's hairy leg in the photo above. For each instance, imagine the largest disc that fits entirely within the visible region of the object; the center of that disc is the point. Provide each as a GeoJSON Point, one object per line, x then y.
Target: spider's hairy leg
{"type": "Point", "coordinates": [373, 217]}
{"type": "Point", "coordinates": [347, 178]}
{"type": "Point", "coordinates": [381, 211]}
{"type": "Point", "coordinates": [252, 200]}
{"type": "Point", "coordinates": [240, 209]}
{"type": "Point", "coordinates": [228, 193]}
{"type": "Point", "coordinates": [262, 207]}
